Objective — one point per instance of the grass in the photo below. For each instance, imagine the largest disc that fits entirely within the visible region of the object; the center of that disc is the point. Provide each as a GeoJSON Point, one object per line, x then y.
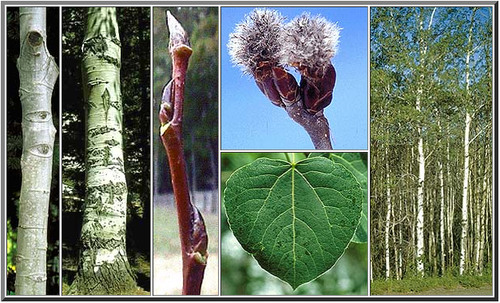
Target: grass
{"type": "Point", "coordinates": [167, 253]}
{"type": "Point", "coordinates": [415, 285]}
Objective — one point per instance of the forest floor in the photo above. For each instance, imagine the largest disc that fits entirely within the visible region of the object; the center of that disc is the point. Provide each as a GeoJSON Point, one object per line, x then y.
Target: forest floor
{"type": "Point", "coordinates": [167, 258]}
{"type": "Point", "coordinates": [435, 286]}
{"type": "Point", "coordinates": [486, 290]}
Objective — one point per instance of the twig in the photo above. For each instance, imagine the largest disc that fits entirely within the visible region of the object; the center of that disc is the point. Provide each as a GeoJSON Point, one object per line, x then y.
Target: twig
{"type": "Point", "coordinates": [192, 230]}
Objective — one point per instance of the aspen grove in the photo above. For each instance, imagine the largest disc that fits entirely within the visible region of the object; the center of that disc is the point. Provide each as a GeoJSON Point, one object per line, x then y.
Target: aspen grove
{"type": "Point", "coordinates": [431, 142]}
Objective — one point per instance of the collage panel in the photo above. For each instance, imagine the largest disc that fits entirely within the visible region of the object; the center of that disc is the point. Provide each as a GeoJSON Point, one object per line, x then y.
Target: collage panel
{"type": "Point", "coordinates": [106, 151]}
{"type": "Point", "coordinates": [292, 224]}
{"type": "Point", "coordinates": [431, 151]}
{"type": "Point", "coordinates": [32, 120]}
{"type": "Point", "coordinates": [294, 78]}
{"type": "Point", "coordinates": [185, 150]}
{"type": "Point", "coordinates": [125, 179]}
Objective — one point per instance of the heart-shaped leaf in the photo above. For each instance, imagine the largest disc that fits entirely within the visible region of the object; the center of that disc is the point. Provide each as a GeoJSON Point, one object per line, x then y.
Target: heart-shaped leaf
{"type": "Point", "coordinates": [295, 219]}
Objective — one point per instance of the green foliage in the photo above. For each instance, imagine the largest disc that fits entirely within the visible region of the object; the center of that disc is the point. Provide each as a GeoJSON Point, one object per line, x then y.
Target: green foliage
{"type": "Point", "coordinates": [241, 274]}
{"type": "Point", "coordinates": [11, 247]}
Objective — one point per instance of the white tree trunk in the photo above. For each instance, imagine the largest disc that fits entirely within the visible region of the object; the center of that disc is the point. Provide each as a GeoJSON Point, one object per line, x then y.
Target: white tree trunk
{"type": "Point", "coordinates": [468, 120]}
{"type": "Point", "coordinates": [421, 156]}
{"type": "Point", "coordinates": [420, 201]}
{"type": "Point", "coordinates": [38, 73]}
{"type": "Point", "coordinates": [103, 266]}
{"type": "Point", "coordinates": [451, 205]}
{"type": "Point", "coordinates": [442, 221]}
{"type": "Point", "coordinates": [387, 220]}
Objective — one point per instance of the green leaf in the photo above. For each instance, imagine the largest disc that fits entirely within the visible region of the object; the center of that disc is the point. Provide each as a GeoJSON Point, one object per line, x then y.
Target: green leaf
{"type": "Point", "coordinates": [358, 167]}
{"type": "Point", "coordinates": [295, 219]}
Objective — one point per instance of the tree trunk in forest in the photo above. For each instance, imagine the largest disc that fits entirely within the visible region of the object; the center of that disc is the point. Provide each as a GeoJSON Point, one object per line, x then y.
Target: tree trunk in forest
{"type": "Point", "coordinates": [441, 217]}
{"type": "Point", "coordinates": [400, 242]}
{"type": "Point", "coordinates": [421, 156]}
{"type": "Point", "coordinates": [387, 219]}
{"type": "Point", "coordinates": [432, 235]}
{"type": "Point", "coordinates": [420, 197]}
{"type": "Point", "coordinates": [38, 73]}
{"type": "Point", "coordinates": [483, 223]}
{"type": "Point", "coordinates": [103, 267]}
{"type": "Point", "coordinates": [468, 120]}
{"type": "Point", "coordinates": [451, 203]}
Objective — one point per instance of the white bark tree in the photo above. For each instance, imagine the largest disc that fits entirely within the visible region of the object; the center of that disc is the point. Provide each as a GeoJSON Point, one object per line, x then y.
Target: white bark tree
{"type": "Point", "coordinates": [387, 220]}
{"type": "Point", "coordinates": [442, 221]}
{"type": "Point", "coordinates": [468, 120]}
{"type": "Point", "coordinates": [103, 265]}
{"type": "Point", "coordinates": [421, 156]}
{"type": "Point", "coordinates": [38, 73]}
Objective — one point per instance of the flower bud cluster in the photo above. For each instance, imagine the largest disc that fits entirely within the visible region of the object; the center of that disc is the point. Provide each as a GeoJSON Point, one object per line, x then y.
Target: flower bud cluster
{"type": "Point", "coordinates": [306, 41]}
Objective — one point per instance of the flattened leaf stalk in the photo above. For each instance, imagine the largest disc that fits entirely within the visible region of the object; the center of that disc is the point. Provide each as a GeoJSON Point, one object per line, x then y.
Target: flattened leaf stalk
{"type": "Point", "coordinates": [38, 73]}
{"type": "Point", "coordinates": [193, 235]}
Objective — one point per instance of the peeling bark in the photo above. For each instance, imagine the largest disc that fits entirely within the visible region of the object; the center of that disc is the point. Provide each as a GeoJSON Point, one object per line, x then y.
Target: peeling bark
{"type": "Point", "coordinates": [103, 267]}
{"type": "Point", "coordinates": [38, 73]}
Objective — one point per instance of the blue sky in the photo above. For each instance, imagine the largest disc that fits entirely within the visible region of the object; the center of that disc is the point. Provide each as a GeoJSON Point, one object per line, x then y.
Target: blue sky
{"type": "Point", "coordinates": [250, 121]}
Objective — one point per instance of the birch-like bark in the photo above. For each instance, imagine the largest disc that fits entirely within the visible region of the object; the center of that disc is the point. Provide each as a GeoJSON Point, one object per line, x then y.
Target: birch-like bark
{"type": "Point", "coordinates": [38, 73]}
{"type": "Point", "coordinates": [421, 156]}
{"type": "Point", "coordinates": [441, 216]}
{"type": "Point", "coordinates": [478, 237]}
{"type": "Point", "coordinates": [451, 203]}
{"type": "Point", "coordinates": [420, 189]}
{"type": "Point", "coordinates": [468, 121]}
{"type": "Point", "coordinates": [387, 219]}
{"type": "Point", "coordinates": [103, 265]}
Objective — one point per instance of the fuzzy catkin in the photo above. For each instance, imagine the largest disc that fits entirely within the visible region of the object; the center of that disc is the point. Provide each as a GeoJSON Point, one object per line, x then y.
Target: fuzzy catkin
{"type": "Point", "coordinates": [309, 41]}
{"type": "Point", "coordinates": [256, 39]}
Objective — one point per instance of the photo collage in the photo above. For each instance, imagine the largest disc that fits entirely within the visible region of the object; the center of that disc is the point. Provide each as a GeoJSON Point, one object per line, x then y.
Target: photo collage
{"type": "Point", "coordinates": [307, 152]}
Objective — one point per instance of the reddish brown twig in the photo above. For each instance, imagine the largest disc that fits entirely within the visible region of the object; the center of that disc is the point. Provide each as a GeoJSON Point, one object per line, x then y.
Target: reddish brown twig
{"type": "Point", "coordinates": [192, 230]}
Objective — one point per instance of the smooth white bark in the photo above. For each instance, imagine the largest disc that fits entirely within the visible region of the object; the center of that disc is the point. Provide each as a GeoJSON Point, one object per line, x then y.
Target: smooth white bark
{"type": "Point", "coordinates": [468, 121]}
{"type": "Point", "coordinates": [38, 73]}
{"type": "Point", "coordinates": [387, 220]}
{"type": "Point", "coordinates": [442, 221]}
